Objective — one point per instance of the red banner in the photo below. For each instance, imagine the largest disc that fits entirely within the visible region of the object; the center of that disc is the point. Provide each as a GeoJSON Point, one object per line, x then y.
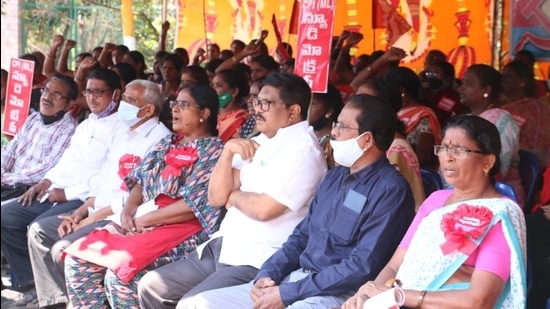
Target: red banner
{"type": "Point", "coordinates": [314, 41]}
{"type": "Point", "coordinates": [18, 95]}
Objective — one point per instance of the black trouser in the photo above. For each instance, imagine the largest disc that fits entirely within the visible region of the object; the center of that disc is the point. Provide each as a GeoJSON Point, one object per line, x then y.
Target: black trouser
{"type": "Point", "coordinates": [11, 191]}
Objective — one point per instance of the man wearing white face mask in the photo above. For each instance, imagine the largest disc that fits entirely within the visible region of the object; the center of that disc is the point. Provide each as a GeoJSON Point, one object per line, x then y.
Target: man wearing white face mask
{"type": "Point", "coordinates": [139, 132]}
{"type": "Point", "coordinates": [65, 186]}
{"type": "Point", "coordinates": [359, 214]}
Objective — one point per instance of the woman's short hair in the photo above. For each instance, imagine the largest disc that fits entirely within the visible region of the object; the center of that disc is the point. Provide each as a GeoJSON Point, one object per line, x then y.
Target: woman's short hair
{"type": "Point", "coordinates": [377, 116]}
{"type": "Point", "coordinates": [526, 73]}
{"type": "Point", "coordinates": [267, 62]}
{"type": "Point", "coordinates": [488, 76]}
{"type": "Point", "coordinates": [292, 90]}
{"type": "Point", "coordinates": [405, 78]}
{"type": "Point", "coordinates": [198, 73]}
{"type": "Point", "coordinates": [331, 99]}
{"type": "Point", "coordinates": [176, 60]}
{"type": "Point", "coordinates": [205, 97]}
{"type": "Point", "coordinates": [484, 134]}
{"type": "Point", "coordinates": [235, 79]}
{"type": "Point", "coordinates": [126, 71]}
{"type": "Point", "coordinates": [151, 93]}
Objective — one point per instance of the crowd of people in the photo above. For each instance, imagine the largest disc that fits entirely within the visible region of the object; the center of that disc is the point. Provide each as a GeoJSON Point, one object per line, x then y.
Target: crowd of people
{"type": "Point", "coordinates": [222, 181]}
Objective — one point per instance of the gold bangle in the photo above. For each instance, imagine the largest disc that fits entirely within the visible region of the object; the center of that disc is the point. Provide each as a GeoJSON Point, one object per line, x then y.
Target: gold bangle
{"type": "Point", "coordinates": [420, 299]}
{"type": "Point", "coordinates": [48, 56]}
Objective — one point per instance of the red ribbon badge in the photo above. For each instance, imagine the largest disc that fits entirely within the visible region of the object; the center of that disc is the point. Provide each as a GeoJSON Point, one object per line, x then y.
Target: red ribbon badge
{"type": "Point", "coordinates": [178, 158]}
{"type": "Point", "coordinates": [126, 164]}
{"type": "Point", "coordinates": [463, 226]}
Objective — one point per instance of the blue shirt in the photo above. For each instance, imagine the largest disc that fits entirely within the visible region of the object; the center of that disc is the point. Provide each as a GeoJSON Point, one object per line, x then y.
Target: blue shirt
{"type": "Point", "coordinates": [353, 227]}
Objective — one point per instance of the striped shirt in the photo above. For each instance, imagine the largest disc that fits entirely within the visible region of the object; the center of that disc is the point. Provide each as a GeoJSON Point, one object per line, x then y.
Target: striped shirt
{"type": "Point", "coordinates": [35, 149]}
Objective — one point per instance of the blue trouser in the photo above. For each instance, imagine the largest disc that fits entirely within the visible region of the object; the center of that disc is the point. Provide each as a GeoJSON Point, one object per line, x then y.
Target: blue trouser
{"type": "Point", "coordinates": [15, 220]}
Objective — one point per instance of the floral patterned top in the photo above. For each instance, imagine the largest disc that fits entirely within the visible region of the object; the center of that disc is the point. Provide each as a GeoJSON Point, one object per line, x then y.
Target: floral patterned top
{"type": "Point", "coordinates": [192, 182]}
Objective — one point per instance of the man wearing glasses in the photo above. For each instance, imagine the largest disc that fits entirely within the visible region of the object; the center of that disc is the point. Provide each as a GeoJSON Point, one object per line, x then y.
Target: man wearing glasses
{"type": "Point", "coordinates": [139, 111]}
{"type": "Point", "coordinates": [67, 185]}
{"type": "Point", "coordinates": [359, 214]}
{"type": "Point", "coordinates": [266, 184]}
{"type": "Point", "coordinates": [41, 141]}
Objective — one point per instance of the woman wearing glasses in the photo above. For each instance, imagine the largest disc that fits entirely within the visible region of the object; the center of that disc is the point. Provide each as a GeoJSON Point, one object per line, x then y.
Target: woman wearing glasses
{"type": "Point", "coordinates": [166, 215]}
{"type": "Point", "coordinates": [466, 246]}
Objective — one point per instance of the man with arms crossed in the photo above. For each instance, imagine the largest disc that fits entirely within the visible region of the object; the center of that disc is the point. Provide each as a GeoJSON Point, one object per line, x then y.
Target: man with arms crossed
{"type": "Point", "coordinates": [265, 183]}
{"type": "Point", "coordinates": [358, 216]}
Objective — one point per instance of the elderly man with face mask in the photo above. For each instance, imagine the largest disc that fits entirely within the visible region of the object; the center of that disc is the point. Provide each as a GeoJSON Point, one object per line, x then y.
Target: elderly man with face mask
{"type": "Point", "coordinates": [65, 186]}
{"type": "Point", "coordinates": [139, 132]}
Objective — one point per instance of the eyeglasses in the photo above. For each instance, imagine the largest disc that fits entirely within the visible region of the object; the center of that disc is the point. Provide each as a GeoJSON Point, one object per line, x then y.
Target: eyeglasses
{"type": "Point", "coordinates": [457, 152]}
{"type": "Point", "coordinates": [56, 95]}
{"type": "Point", "coordinates": [432, 75]}
{"type": "Point", "coordinates": [95, 92]}
{"type": "Point", "coordinates": [339, 127]}
{"type": "Point", "coordinates": [262, 104]}
{"type": "Point", "coordinates": [182, 104]}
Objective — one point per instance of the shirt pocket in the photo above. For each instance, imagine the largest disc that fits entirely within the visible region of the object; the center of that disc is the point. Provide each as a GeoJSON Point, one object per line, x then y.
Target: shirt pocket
{"type": "Point", "coordinates": [94, 153]}
{"type": "Point", "coordinates": [345, 225]}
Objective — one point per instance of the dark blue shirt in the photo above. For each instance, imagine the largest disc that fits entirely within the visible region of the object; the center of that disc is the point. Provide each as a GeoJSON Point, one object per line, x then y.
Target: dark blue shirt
{"type": "Point", "coordinates": [353, 227]}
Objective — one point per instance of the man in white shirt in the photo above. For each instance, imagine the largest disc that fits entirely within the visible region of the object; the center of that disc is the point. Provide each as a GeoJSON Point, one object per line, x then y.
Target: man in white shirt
{"type": "Point", "coordinates": [66, 185]}
{"type": "Point", "coordinates": [265, 183]}
{"type": "Point", "coordinates": [139, 109]}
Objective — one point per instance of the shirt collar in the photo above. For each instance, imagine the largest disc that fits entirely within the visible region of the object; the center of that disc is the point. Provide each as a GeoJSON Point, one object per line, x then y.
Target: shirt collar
{"type": "Point", "coordinates": [147, 126]}
{"type": "Point", "coordinates": [364, 174]}
{"type": "Point", "coordinates": [283, 133]}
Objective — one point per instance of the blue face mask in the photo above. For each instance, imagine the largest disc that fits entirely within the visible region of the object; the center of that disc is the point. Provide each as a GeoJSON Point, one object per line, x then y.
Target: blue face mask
{"type": "Point", "coordinates": [107, 111]}
{"type": "Point", "coordinates": [127, 113]}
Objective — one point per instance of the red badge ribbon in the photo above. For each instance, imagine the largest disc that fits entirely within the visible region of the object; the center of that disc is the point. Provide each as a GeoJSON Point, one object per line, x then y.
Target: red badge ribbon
{"type": "Point", "coordinates": [126, 164]}
{"type": "Point", "coordinates": [463, 226]}
{"type": "Point", "coordinates": [178, 158]}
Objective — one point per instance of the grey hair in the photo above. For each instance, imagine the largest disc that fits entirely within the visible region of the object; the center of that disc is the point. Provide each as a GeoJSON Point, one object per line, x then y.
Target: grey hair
{"type": "Point", "coordinates": [151, 93]}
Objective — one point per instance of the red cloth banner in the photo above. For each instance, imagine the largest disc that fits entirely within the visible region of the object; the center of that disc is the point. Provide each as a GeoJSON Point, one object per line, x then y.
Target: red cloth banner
{"type": "Point", "coordinates": [18, 95]}
{"type": "Point", "coordinates": [314, 41]}
{"type": "Point", "coordinates": [530, 28]}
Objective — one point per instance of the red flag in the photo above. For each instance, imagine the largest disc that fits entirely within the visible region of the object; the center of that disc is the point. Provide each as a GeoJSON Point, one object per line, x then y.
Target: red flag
{"type": "Point", "coordinates": [377, 16]}
{"type": "Point", "coordinates": [294, 18]}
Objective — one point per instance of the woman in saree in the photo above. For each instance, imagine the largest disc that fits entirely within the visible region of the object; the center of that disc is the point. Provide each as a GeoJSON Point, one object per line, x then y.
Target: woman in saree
{"type": "Point", "coordinates": [165, 217]}
{"type": "Point", "coordinates": [466, 247]}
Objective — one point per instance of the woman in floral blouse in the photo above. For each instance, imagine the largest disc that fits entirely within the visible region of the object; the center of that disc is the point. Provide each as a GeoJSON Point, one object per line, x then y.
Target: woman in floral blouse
{"type": "Point", "coordinates": [166, 215]}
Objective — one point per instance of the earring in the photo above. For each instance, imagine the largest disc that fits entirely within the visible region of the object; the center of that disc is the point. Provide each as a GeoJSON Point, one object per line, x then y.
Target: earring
{"type": "Point", "coordinates": [327, 115]}
{"type": "Point", "coordinates": [485, 95]}
{"type": "Point", "coordinates": [402, 94]}
{"type": "Point", "coordinates": [201, 120]}
{"type": "Point", "coordinates": [486, 171]}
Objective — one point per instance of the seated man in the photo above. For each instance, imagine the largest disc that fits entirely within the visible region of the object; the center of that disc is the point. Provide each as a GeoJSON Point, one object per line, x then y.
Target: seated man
{"type": "Point", "coordinates": [66, 185]}
{"type": "Point", "coordinates": [39, 144]}
{"type": "Point", "coordinates": [265, 183]}
{"type": "Point", "coordinates": [360, 212]}
{"type": "Point", "coordinates": [139, 110]}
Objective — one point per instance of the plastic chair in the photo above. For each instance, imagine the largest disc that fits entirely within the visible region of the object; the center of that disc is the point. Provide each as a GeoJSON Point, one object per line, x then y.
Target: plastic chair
{"type": "Point", "coordinates": [431, 181]}
{"type": "Point", "coordinates": [529, 171]}
{"type": "Point", "coordinates": [506, 190]}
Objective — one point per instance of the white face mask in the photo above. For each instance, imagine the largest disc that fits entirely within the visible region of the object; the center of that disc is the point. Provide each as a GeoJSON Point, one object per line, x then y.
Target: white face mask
{"type": "Point", "coordinates": [127, 113]}
{"type": "Point", "coordinates": [347, 152]}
